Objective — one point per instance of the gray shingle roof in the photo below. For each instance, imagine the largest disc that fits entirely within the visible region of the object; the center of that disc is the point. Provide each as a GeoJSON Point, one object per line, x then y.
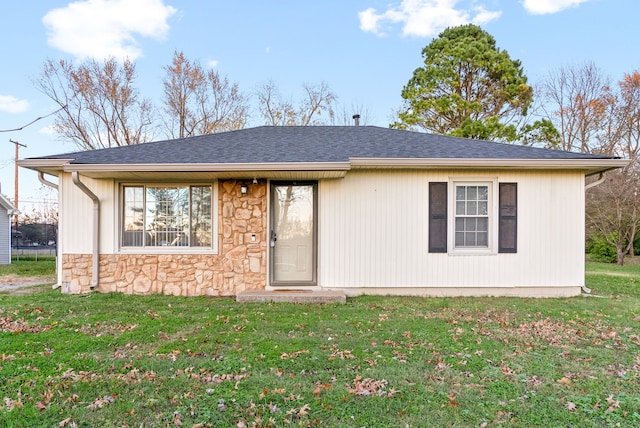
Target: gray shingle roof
{"type": "Point", "coordinates": [268, 144]}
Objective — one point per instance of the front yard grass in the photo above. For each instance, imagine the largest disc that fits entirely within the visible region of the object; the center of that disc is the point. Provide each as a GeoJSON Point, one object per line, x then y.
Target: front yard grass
{"type": "Point", "coordinates": [29, 266]}
{"type": "Point", "coordinates": [118, 360]}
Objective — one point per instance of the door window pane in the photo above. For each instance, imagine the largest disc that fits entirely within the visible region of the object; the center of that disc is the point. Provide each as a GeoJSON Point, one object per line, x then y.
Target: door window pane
{"type": "Point", "coordinates": [293, 228]}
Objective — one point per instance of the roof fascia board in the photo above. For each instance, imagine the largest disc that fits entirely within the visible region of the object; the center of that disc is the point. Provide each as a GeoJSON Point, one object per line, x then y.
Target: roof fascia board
{"type": "Point", "coordinates": [488, 163]}
{"type": "Point", "coordinates": [37, 164]}
{"type": "Point", "coordinates": [221, 167]}
{"type": "Point", "coordinates": [591, 165]}
{"type": "Point", "coordinates": [7, 204]}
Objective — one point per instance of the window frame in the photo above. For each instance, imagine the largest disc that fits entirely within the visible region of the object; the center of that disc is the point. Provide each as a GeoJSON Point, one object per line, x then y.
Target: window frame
{"type": "Point", "coordinates": [492, 215]}
{"type": "Point", "coordinates": [212, 249]}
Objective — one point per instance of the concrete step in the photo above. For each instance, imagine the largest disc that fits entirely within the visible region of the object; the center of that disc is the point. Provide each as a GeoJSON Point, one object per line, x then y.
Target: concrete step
{"type": "Point", "coordinates": [292, 296]}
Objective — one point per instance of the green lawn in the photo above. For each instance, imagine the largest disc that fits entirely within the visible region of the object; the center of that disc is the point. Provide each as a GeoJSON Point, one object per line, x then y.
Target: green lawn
{"type": "Point", "coordinates": [29, 266]}
{"type": "Point", "coordinates": [116, 360]}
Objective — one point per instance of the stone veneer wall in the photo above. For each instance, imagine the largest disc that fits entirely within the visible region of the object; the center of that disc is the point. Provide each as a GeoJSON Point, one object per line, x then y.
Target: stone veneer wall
{"type": "Point", "coordinates": [239, 265]}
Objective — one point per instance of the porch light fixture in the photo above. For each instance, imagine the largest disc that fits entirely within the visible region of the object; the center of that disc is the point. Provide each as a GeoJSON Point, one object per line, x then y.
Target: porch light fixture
{"type": "Point", "coordinates": [244, 188]}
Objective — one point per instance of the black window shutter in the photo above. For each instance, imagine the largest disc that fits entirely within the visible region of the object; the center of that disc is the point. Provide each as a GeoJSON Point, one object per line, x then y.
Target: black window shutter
{"type": "Point", "coordinates": [438, 217]}
{"type": "Point", "coordinates": [508, 218]}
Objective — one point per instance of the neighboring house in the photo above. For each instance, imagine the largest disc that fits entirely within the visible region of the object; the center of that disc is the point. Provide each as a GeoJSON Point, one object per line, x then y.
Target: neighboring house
{"type": "Point", "coordinates": [7, 210]}
{"type": "Point", "coordinates": [360, 209]}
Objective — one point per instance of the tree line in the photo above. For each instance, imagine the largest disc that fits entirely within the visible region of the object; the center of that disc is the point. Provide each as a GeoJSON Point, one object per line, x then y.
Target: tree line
{"type": "Point", "coordinates": [468, 87]}
{"type": "Point", "coordinates": [102, 106]}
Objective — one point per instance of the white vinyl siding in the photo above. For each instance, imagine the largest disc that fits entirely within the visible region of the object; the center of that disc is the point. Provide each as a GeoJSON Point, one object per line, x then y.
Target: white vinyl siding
{"type": "Point", "coordinates": [373, 232]}
{"type": "Point", "coordinates": [5, 236]}
{"type": "Point", "coordinates": [75, 219]}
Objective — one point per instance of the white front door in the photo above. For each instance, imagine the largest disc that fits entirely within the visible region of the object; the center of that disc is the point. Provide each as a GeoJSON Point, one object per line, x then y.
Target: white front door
{"type": "Point", "coordinates": [293, 233]}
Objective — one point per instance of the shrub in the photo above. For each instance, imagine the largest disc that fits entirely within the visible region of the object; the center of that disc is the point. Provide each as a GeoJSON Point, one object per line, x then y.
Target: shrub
{"type": "Point", "coordinates": [600, 250]}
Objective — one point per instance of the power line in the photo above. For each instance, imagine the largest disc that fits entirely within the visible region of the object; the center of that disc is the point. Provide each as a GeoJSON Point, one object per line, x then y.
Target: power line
{"type": "Point", "coordinates": [34, 120]}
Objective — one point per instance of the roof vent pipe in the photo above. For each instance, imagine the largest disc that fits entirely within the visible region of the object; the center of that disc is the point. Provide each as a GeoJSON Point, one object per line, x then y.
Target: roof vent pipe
{"type": "Point", "coordinates": [356, 118]}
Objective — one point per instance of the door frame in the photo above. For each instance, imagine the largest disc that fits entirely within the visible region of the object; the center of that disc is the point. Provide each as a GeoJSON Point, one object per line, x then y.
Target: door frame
{"type": "Point", "coordinates": [314, 257]}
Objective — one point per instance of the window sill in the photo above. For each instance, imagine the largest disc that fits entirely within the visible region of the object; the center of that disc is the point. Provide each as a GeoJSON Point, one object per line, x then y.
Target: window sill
{"type": "Point", "coordinates": [472, 252]}
{"type": "Point", "coordinates": [166, 250]}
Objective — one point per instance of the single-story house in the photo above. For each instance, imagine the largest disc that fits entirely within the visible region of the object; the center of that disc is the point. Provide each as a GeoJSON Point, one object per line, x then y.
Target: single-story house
{"type": "Point", "coordinates": [7, 210]}
{"type": "Point", "coordinates": [363, 209]}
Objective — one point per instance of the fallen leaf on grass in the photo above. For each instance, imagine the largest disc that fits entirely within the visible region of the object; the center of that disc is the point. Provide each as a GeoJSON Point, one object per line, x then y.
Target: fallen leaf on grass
{"type": "Point", "coordinates": [571, 406]}
{"type": "Point", "coordinates": [452, 400]}
{"type": "Point", "coordinates": [343, 355]}
{"type": "Point", "coordinates": [319, 387]}
{"type": "Point", "coordinates": [177, 421]}
{"type": "Point", "coordinates": [11, 404]}
{"type": "Point", "coordinates": [7, 324]}
{"type": "Point", "coordinates": [101, 402]}
{"type": "Point", "coordinates": [317, 391]}
{"type": "Point", "coordinates": [441, 365]}
{"type": "Point", "coordinates": [564, 380]}
{"type": "Point", "coordinates": [295, 354]}
{"type": "Point", "coordinates": [399, 356]}
{"type": "Point", "coordinates": [613, 404]}
{"type": "Point", "coordinates": [368, 387]}
{"type": "Point", "coordinates": [296, 413]}
{"type": "Point", "coordinates": [221, 406]}
{"type": "Point", "coordinates": [64, 422]}
{"type": "Point", "coordinates": [507, 370]}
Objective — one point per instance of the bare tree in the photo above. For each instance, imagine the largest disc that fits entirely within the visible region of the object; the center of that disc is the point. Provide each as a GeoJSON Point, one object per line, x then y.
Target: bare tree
{"type": "Point", "coordinates": [594, 116]}
{"type": "Point", "coordinates": [620, 134]}
{"type": "Point", "coordinates": [577, 98]}
{"type": "Point", "coordinates": [344, 115]}
{"type": "Point", "coordinates": [276, 111]}
{"type": "Point", "coordinates": [613, 209]}
{"type": "Point", "coordinates": [101, 105]}
{"type": "Point", "coordinates": [198, 102]}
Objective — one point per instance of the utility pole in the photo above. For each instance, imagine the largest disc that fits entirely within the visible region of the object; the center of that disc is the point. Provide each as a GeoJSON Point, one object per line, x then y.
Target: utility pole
{"type": "Point", "coordinates": [15, 194]}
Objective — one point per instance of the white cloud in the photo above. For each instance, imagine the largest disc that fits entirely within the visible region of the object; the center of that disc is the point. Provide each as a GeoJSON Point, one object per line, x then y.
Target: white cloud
{"type": "Point", "coordinates": [11, 104]}
{"type": "Point", "coordinates": [212, 63]}
{"type": "Point", "coordinates": [47, 130]}
{"type": "Point", "coordinates": [106, 28]}
{"type": "Point", "coordinates": [543, 7]}
{"type": "Point", "coordinates": [423, 18]}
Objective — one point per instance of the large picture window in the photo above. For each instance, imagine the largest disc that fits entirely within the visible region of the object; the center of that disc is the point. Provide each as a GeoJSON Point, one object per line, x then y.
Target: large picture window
{"type": "Point", "coordinates": [162, 216]}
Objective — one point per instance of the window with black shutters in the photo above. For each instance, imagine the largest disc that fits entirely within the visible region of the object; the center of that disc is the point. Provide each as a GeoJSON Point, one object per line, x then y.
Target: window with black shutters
{"type": "Point", "coordinates": [464, 217]}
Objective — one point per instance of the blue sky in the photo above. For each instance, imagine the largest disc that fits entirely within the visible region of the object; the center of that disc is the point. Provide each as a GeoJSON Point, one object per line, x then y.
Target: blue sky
{"type": "Point", "coordinates": [365, 50]}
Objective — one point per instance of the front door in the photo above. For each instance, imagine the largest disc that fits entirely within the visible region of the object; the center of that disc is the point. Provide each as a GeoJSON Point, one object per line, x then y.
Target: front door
{"type": "Point", "coordinates": [293, 233]}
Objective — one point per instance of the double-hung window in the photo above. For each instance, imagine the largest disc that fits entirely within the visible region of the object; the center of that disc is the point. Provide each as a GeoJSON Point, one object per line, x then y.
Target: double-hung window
{"type": "Point", "coordinates": [471, 216]}
{"type": "Point", "coordinates": [167, 216]}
